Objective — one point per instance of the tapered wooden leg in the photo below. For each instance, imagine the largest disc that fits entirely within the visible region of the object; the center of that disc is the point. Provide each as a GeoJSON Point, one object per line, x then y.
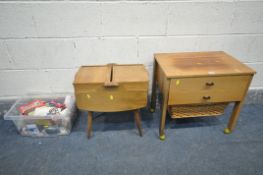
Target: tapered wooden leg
{"type": "Point", "coordinates": [89, 129]}
{"type": "Point", "coordinates": [154, 84]}
{"type": "Point", "coordinates": [137, 118]}
{"type": "Point", "coordinates": [234, 117]}
{"type": "Point", "coordinates": [236, 111]}
{"type": "Point", "coordinates": [162, 121]}
{"type": "Point", "coordinates": [164, 107]}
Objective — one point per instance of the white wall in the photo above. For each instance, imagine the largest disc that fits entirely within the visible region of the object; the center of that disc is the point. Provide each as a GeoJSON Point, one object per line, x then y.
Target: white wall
{"type": "Point", "coordinates": [42, 43]}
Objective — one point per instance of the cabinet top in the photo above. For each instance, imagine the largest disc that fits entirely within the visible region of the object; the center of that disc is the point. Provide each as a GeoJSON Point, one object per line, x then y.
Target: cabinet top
{"type": "Point", "coordinates": [112, 73]}
{"type": "Point", "coordinates": [193, 64]}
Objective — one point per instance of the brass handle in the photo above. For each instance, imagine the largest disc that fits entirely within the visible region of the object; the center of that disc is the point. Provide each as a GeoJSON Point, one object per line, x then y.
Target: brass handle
{"type": "Point", "coordinates": [210, 83]}
{"type": "Point", "coordinates": [206, 97]}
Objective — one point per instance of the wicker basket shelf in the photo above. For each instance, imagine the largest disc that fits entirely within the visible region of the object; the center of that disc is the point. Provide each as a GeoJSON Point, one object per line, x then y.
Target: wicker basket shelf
{"type": "Point", "coordinates": [197, 110]}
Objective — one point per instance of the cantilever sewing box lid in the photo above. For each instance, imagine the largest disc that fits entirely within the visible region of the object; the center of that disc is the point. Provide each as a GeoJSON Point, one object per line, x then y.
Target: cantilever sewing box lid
{"type": "Point", "coordinates": [193, 64]}
{"type": "Point", "coordinates": [111, 74]}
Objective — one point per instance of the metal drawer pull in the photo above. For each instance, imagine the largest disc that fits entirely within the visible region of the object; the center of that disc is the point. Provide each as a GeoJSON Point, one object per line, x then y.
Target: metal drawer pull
{"type": "Point", "coordinates": [210, 83]}
{"type": "Point", "coordinates": [206, 97]}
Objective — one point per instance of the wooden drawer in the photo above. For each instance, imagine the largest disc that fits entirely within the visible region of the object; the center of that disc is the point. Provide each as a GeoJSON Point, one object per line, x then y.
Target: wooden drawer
{"type": "Point", "coordinates": [208, 89]}
{"type": "Point", "coordinates": [96, 97]}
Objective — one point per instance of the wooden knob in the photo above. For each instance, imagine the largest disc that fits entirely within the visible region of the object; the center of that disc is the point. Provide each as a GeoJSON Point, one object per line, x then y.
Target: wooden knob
{"type": "Point", "coordinates": [206, 97]}
{"type": "Point", "coordinates": [210, 83]}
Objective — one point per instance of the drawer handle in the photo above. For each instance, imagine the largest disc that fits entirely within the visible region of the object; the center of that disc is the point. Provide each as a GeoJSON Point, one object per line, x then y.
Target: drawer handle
{"type": "Point", "coordinates": [210, 83]}
{"type": "Point", "coordinates": [206, 97]}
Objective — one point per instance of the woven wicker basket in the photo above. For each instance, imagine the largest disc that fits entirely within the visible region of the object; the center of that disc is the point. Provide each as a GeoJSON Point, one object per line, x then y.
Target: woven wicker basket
{"type": "Point", "coordinates": [197, 110]}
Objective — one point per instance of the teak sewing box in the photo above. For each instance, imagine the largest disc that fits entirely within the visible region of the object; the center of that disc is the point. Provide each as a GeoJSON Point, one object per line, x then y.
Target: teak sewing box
{"type": "Point", "coordinates": [111, 88]}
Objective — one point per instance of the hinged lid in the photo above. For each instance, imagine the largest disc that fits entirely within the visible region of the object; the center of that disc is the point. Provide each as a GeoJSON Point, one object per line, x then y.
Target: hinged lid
{"type": "Point", "coordinates": [192, 64]}
{"type": "Point", "coordinates": [111, 74]}
{"type": "Point", "coordinates": [91, 74]}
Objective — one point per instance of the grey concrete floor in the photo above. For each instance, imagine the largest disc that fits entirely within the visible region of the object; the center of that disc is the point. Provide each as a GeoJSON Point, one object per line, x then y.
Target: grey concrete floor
{"type": "Point", "coordinates": [193, 146]}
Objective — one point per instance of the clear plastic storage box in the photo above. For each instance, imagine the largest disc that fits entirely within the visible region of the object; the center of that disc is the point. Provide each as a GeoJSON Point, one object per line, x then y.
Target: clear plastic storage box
{"type": "Point", "coordinates": [43, 116]}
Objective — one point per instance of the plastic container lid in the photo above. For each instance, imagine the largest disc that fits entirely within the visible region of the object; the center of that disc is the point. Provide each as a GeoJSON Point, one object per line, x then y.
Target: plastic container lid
{"type": "Point", "coordinates": [14, 114]}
